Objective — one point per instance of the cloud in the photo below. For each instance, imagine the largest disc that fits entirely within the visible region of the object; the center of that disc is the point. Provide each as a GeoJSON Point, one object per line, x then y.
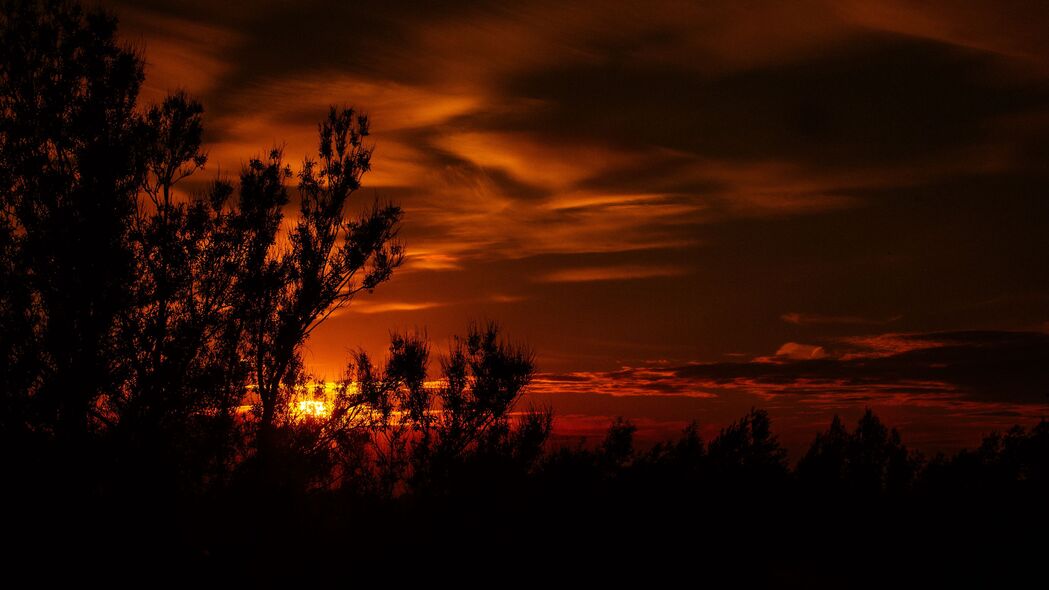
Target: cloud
{"type": "Point", "coordinates": [806, 319]}
{"type": "Point", "coordinates": [611, 273]}
{"type": "Point", "coordinates": [1016, 32]}
{"type": "Point", "coordinates": [975, 366]}
{"type": "Point", "coordinates": [799, 352]}
{"type": "Point", "coordinates": [423, 260]}
{"type": "Point", "coordinates": [612, 129]}
{"type": "Point", "coordinates": [872, 98]}
{"type": "Point", "coordinates": [368, 307]}
{"type": "Point", "coordinates": [629, 381]}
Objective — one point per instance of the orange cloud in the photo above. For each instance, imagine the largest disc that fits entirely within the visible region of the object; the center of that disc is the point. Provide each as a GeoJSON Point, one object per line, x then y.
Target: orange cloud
{"type": "Point", "coordinates": [369, 307]}
{"type": "Point", "coordinates": [611, 273]}
{"type": "Point", "coordinates": [180, 53]}
{"type": "Point", "coordinates": [795, 351]}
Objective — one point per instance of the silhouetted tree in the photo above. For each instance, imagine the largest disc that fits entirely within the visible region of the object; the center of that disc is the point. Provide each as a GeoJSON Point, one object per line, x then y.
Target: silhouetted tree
{"type": "Point", "coordinates": [423, 434]}
{"type": "Point", "coordinates": [183, 334]}
{"type": "Point", "coordinates": [747, 452]}
{"type": "Point", "coordinates": [824, 465]}
{"type": "Point", "coordinates": [680, 464]}
{"type": "Point", "coordinates": [71, 146]}
{"type": "Point", "coordinates": [332, 257]}
{"type": "Point", "coordinates": [134, 310]}
{"type": "Point", "coordinates": [870, 460]}
{"type": "Point", "coordinates": [617, 450]}
{"type": "Point", "coordinates": [1015, 462]}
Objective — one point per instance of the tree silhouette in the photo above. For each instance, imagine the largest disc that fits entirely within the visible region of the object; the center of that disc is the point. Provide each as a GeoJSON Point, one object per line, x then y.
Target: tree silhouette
{"type": "Point", "coordinates": [182, 337]}
{"type": "Point", "coordinates": [869, 460]}
{"type": "Point", "coordinates": [824, 465]}
{"type": "Point", "coordinates": [617, 450]}
{"type": "Point", "coordinates": [331, 259]}
{"type": "Point", "coordinates": [423, 434]}
{"type": "Point", "coordinates": [748, 451]}
{"type": "Point", "coordinates": [1016, 461]}
{"type": "Point", "coordinates": [71, 144]}
{"type": "Point", "coordinates": [134, 311]}
{"type": "Point", "coordinates": [680, 464]}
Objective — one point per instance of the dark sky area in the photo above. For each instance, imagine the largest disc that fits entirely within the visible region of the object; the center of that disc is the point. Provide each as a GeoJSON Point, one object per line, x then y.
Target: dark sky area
{"type": "Point", "coordinates": [686, 208]}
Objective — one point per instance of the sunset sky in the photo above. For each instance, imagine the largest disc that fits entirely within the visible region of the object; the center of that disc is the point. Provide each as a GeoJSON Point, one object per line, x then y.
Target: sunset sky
{"type": "Point", "coordinates": [685, 208]}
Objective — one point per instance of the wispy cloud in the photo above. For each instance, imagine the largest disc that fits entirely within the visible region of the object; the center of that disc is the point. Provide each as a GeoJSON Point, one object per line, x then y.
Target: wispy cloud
{"type": "Point", "coordinates": [800, 352]}
{"type": "Point", "coordinates": [806, 319]}
{"type": "Point", "coordinates": [416, 260]}
{"type": "Point", "coordinates": [368, 307]}
{"type": "Point", "coordinates": [989, 367]}
{"type": "Point", "coordinates": [611, 273]}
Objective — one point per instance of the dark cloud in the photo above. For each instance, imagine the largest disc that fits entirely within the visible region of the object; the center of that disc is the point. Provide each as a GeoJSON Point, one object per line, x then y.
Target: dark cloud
{"type": "Point", "coordinates": [283, 40]}
{"type": "Point", "coordinates": [876, 99]}
{"type": "Point", "coordinates": [1001, 367]}
{"type": "Point", "coordinates": [805, 319]}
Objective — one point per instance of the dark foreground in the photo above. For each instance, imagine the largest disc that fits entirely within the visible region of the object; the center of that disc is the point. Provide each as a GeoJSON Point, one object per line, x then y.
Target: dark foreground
{"type": "Point", "coordinates": [859, 510]}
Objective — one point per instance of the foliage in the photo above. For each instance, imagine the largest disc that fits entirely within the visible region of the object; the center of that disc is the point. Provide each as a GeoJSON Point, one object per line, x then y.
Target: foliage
{"type": "Point", "coordinates": [71, 145]}
{"type": "Point", "coordinates": [424, 432]}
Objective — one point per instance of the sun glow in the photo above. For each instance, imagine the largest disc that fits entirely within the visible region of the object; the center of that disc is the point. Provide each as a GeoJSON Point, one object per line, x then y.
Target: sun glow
{"type": "Point", "coordinates": [312, 409]}
{"type": "Point", "coordinates": [317, 400]}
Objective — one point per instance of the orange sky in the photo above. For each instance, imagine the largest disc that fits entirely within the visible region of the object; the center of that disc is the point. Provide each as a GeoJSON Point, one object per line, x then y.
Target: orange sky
{"type": "Point", "coordinates": [685, 208]}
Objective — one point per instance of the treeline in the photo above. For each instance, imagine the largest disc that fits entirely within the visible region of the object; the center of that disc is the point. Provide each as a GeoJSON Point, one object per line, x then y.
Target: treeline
{"type": "Point", "coordinates": [858, 508]}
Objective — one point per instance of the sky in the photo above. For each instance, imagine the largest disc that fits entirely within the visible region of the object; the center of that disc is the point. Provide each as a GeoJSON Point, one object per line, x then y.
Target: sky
{"type": "Point", "coordinates": [686, 209]}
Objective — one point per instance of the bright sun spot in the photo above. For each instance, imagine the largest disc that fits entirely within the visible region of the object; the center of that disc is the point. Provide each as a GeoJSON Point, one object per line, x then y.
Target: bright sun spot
{"type": "Point", "coordinates": [312, 409]}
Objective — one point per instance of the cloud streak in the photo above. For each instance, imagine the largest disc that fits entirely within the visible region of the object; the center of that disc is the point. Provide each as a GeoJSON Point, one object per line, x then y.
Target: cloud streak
{"type": "Point", "coordinates": [611, 273]}
{"type": "Point", "coordinates": [808, 319]}
{"type": "Point", "coordinates": [999, 367]}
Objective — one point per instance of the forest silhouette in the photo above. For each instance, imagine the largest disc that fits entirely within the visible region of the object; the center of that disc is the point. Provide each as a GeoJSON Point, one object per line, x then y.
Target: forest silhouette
{"type": "Point", "coordinates": [158, 421]}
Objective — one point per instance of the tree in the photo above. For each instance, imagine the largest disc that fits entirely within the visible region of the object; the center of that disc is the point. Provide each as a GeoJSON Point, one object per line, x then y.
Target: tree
{"type": "Point", "coordinates": [748, 451]}
{"type": "Point", "coordinates": [424, 435]}
{"type": "Point", "coordinates": [331, 259]}
{"type": "Point", "coordinates": [184, 331]}
{"type": "Point", "coordinates": [869, 460]}
{"type": "Point", "coordinates": [1016, 461]}
{"type": "Point", "coordinates": [70, 143]}
{"type": "Point", "coordinates": [681, 463]}
{"type": "Point", "coordinates": [617, 449]}
{"type": "Point", "coordinates": [135, 312]}
{"type": "Point", "coordinates": [824, 465]}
